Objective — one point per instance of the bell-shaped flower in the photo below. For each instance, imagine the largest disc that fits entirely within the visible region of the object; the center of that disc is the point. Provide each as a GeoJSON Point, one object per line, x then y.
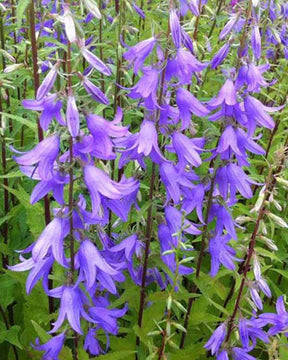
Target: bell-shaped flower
{"type": "Point", "coordinates": [95, 62]}
{"type": "Point", "coordinates": [107, 318]}
{"type": "Point", "coordinates": [94, 91]}
{"type": "Point", "coordinates": [90, 260]}
{"type": "Point", "coordinates": [193, 199]}
{"type": "Point", "coordinates": [144, 143]}
{"type": "Point", "coordinates": [189, 5]}
{"type": "Point", "coordinates": [186, 150]}
{"type": "Point", "coordinates": [228, 142]}
{"type": "Point", "coordinates": [251, 75]}
{"type": "Point", "coordinates": [178, 225]}
{"type": "Point", "coordinates": [227, 95]}
{"type": "Point", "coordinates": [217, 339]}
{"type": "Point", "coordinates": [183, 66]}
{"type": "Point", "coordinates": [71, 308]}
{"type": "Point", "coordinates": [44, 154]}
{"type": "Point", "coordinates": [251, 329]}
{"type": "Point", "coordinates": [173, 180]}
{"type": "Point", "coordinates": [128, 247]}
{"type": "Point", "coordinates": [279, 320]}
{"type": "Point", "coordinates": [138, 53]}
{"type": "Point", "coordinates": [256, 41]}
{"type": "Point", "coordinates": [48, 82]}
{"type": "Point", "coordinates": [50, 108]}
{"type": "Point", "coordinates": [224, 219]}
{"type": "Point", "coordinates": [220, 56]}
{"type": "Point", "coordinates": [189, 105]}
{"type": "Point", "coordinates": [38, 270]}
{"type": "Point", "coordinates": [258, 113]}
{"type": "Point", "coordinates": [221, 253]}
{"type": "Point", "coordinates": [91, 343]}
{"type": "Point", "coordinates": [52, 347]}
{"type": "Point", "coordinates": [146, 87]}
{"type": "Point", "coordinates": [99, 183]}
{"type": "Point", "coordinates": [51, 239]}
{"type": "Point", "coordinates": [175, 28]}
{"type": "Point", "coordinates": [69, 24]}
{"type": "Point", "coordinates": [72, 116]}
{"type": "Point", "coordinates": [229, 26]}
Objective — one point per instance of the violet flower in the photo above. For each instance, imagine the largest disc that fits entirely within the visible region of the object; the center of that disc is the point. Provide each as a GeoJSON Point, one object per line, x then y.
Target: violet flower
{"type": "Point", "coordinates": [217, 338]}
{"type": "Point", "coordinates": [52, 347]}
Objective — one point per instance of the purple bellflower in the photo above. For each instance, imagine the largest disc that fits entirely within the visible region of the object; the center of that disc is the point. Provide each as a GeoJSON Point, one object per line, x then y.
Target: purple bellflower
{"type": "Point", "coordinates": [48, 82]}
{"type": "Point", "coordinates": [52, 347]}
{"type": "Point", "coordinates": [216, 340]}
{"type": "Point", "coordinates": [139, 53]}
{"type": "Point", "coordinates": [44, 154]}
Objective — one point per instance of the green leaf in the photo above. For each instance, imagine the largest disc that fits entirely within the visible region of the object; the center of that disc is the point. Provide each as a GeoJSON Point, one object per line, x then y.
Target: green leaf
{"type": "Point", "coordinates": [11, 336]}
{"type": "Point", "coordinates": [20, 10]}
{"type": "Point", "coordinates": [117, 355]}
{"type": "Point", "coordinates": [30, 124]}
{"type": "Point", "coordinates": [41, 333]}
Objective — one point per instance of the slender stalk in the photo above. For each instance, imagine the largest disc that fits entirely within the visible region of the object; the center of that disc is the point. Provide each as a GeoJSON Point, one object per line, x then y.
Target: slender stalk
{"type": "Point", "coordinates": [39, 129]}
{"type": "Point", "coordinates": [70, 196]}
{"type": "Point", "coordinates": [149, 222]}
{"type": "Point", "coordinates": [221, 2]}
{"type": "Point", "coordinates": [5, 320]}
{"type": "Point", "coordinates": [199, 262]}
{"type": "Point", "coordinates": [197, 21]}
{"type": "Point", "coordinates": [270, 184]}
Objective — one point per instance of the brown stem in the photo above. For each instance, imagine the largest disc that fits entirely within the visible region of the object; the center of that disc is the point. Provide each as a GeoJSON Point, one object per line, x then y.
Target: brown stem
{"type": "Point", "coordinates": [197, 21]}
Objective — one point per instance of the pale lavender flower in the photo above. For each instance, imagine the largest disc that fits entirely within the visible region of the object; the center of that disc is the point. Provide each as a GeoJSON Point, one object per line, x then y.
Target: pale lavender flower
{"type": "Point", "coordinates": [72, 116]}
{"type": "Point", "coordinates": [188, 105]}
{"type": "Point", "coordinates": [91, 343]}
{"type": "Point", "coordinates": [221, 253]}
{"type": "Point", "coordinates": [94, 61]}
{"type": "Point", "coordinates": [52, 347]}
{"type": "Point", "coordinates": [216, 340]}
{"type": "Point", "coordinates": [90, 260]}
{"type": "Point", "coordinates": [241, 354]}
{"type": "Point", "coordinates": [139, 11]}
{"type": "Point", "coordinates": [175, 28]}
{"type": "Point", "coordinates": [44, 154]}
{"type": "Point", "coordinates": [71, 307]}
{"type": "Point", "coordinates": [69, 24]}
{"type": "Point", "coordinates": [222, 356]}
{"type": "Point", "coordinates": [256, 41]}
{"type": "Point", "coordinates": [138, 53]}
{"type": "Point", "coordinates": [48, 82]}
{"type": "Point", "coordinates": [94, 91]}
{"type": "Point", "coordinates": [51, 239]}
{"type": "Point", "coordinates": [186, 150]}
{"type": "Point", "coordinates": [229, 26]}
{"type": "Point", "coordinates": [220, 55]}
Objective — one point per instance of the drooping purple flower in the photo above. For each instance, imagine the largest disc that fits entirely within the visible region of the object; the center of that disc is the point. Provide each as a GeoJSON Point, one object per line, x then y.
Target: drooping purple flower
{"type": "Point", "coordinates": [220, 55]}
{"type": "Point", "coordinates": [144, 143]}
{"type": "Point", "coordinates": [94, 61]}
{"type": "Point", "coordinates": [48, 82]}
{"type": "Point", "coordinates": [183, 66]}
{"type": "Point", "coordinates": [139, 11]}
{"type": "Point", "coordinates": [227, 95]}
{"type": "Point", "coordinates": [71, 308]}
{"type": "Point", "coordinates": [217, 338]}
{"type": "Point", "coordinates": [38, 269]}
{"type": "Point", "coordinates": [241, 354]}
{"type": "Point", "coordinates": [224, 219]}
{"type": "Point", "coordinates": [221, 253]}
{"type": "Point", "coordinates": [146, 87]}
{"type": "Point", "coordinates": [256, 297]}
{"type": "Point", "coordinates": [251, 329]}
{"type": "Point", "coordinates": [107, 318]}
{"type": "Point", "coordinates": [175, 28]}
{"type": "Point", "coordinates": [173, 180]}
{"type": "Point", "coordinates": [192, 5]}
{"type": "Point", "coordinates": [44, 154]}
{"type": "Point", "coordinates": [222, 356]}
{"type": "Point", "coordinates": [50, 108]}
{"type": "Point", "coordinates": [188, 105]}
{"type": "Point", "coordinates": [229, 26]}
{"type": "Point", "coordinates": [138, 53]}
{"type": "Point", "coordinates": [129, 246]}
{"type": "Point", "coordinates": [91, 343]}
{"type": "Point", "coordinates": [99, 183]}
{"type": "Point", "coordinates": [279, 320]}
{"type": "Point", "coordinates": [251, 75]}
{"type": "Point", "coordinates": [256, 41]}
{"type": "Point", "coordinates": [193, 199]}
{"type": "Point", "coordinates": [90, 260]}
{"type": "Point", "coordinates": [186, 150]}
{"type": "Point", "coordinates": [72, 116]}
{"type": "Point", "coordinates": [51, 239]}
{"type": "Point", "coordinates": [52, 347]}
{"type": "Point", "coordinates": [95, 92]}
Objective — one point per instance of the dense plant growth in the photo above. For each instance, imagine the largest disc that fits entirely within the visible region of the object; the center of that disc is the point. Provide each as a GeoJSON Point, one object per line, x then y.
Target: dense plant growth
{"type": "Point", "coordinates": [144, 179]}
